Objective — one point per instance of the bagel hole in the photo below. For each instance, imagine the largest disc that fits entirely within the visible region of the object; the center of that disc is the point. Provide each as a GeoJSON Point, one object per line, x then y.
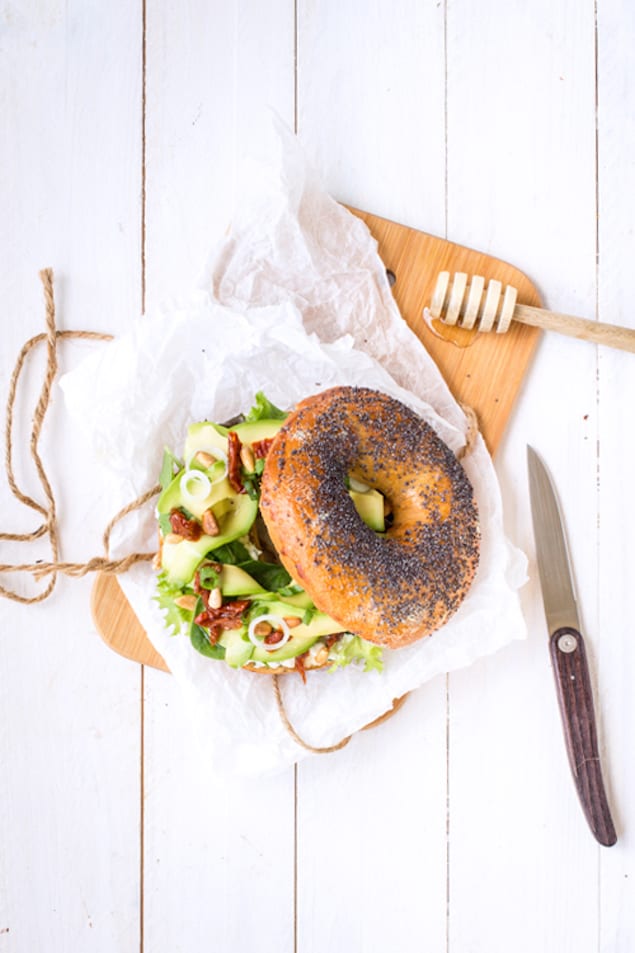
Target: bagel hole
{"type": "Point", "coordinates": [371, 503]}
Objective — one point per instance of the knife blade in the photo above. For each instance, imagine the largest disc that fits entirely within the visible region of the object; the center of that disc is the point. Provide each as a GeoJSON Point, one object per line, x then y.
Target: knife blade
{"type": "Point", "coordinates": [567, 650]}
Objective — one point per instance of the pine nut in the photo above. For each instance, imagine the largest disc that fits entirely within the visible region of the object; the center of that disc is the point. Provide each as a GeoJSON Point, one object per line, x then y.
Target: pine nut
{"type": "Point", "coordinates": [173, 538]}
{"type": "Point", "coordinates": [205, 459]}
{"type": "Point", "coordinates": [215, 598]}
{"type": "Point", "coordinates": [247, 458]}
{"type": "Point", "coordinates": [210, 523]}
{"type": "Point", "coordinates": [292, 620]}
{"type": "Point", "coordinates": [262, 629]}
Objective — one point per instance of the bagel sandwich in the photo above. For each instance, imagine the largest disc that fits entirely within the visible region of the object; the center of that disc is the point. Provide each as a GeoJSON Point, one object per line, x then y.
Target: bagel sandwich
{"type": "Point", "coordinates": [220, 581]}
{"type": "Point", "coordinates": [315, 538]}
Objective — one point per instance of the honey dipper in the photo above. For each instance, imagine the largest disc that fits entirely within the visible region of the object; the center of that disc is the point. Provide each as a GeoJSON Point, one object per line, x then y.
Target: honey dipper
{"type": "Point", "coordinates": [464, 301]}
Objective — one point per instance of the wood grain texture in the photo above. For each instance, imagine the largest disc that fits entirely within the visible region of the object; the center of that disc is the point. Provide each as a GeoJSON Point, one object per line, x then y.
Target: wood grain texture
{"type": "Point", "coordinates": [118, 625]}
{"type": "Point", "coordinates": [470, 305]}
{"type": "Point", "coordinates": [608, 335]}
{"type": "Point", "coordinates": [485, 376]}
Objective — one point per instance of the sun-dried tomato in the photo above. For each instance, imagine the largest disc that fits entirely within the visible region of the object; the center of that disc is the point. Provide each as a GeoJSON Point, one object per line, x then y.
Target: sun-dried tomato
{"type": "Point", "coordinates": [330, 640]}
{"type": "Point", "coordinates": [275, 636]}
{"type": "Point", "coordinates": [233, 462]}
{"type": "Point", "coordinates": [261, 447]}
{"type": "Point", "coordinates": [185, 527]}
{"type": "Point", "coordinates": [228, 616]}
{"type": "Point", "coordinates": [299, 666]}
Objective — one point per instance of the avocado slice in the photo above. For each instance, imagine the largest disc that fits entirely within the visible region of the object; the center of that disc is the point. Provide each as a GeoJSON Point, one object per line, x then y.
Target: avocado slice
{"type": "Point", "coordinates": [234, 581]}
{"type": "Point", "coordinates": [206, 435]}
{"type": "Point", "coordinates": [203, 436]}
{"type": "Point", "coordinates": [370, 506]}
{"type": "Point", "coordinates": [252, 431]}
{"type": "Point", "coordinates": [172, 497]}
{"type": "Point", "coordinates": [302, 636]}
{"type": "Point", "coordinates": [238, 650]}
{"type": "Point", "coordinates": [180, 560]}
{"type": "Point", "coordinates": [301, 600]}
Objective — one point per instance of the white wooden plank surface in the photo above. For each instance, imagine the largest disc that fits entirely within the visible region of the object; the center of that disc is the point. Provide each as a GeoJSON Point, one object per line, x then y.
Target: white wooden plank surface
{"type": "Point", "coordinates": [455, 825]}
{"type": "Point", "coordinates": [221, 841]}
{"type": "Point", "coordinates": [528, 192]}
{"type": "Point", "coordinates": [371, 105]}
{"type": "Point", "coordinates": [396, 786]}
{"type": "Point", "coordinates": [615, 658]}
{"type": "Point", "coordinates": [69, 722]}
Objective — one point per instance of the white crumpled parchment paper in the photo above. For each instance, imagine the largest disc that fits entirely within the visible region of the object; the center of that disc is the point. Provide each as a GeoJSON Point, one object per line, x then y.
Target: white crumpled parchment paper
{"type": "Point", "coordinates": [295, 299]}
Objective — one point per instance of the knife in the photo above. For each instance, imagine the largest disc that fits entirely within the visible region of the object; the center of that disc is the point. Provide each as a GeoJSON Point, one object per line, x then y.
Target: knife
{"type": "Point", "coordinates": [568, 655]}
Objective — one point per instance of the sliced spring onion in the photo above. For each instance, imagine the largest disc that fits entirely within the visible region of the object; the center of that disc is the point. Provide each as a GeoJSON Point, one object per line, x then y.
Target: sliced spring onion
{"type": "Point", "coordinates": [276, 622]}
{"type": "Point", "coordinates": [195, 486]}
{"type": "Point", "coordinates": [217, 471]}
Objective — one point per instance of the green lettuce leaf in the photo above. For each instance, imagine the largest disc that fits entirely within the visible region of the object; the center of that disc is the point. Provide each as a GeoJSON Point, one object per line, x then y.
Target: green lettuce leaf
{"type": "Point", "coordinates": [232, 554]}
{"type": "Point", "coordinates": [271, 576]}
{"type": "Point", "coordinates": [263, 409]}
{"type": "Point", "coordinates": [352, 648]}
{"type": "Point", "coordinates": [200, 641]}
{"type": "Point", "coordinates": [170, 465]}
{"type": "Point", "coordinates": [175, 617]}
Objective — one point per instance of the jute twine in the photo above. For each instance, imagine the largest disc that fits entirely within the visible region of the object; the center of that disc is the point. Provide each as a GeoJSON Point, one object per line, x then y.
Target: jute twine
{"type": "Point", "coordinates": [48, 509]}
{"type": "Point", "coordinates": [49, 526]}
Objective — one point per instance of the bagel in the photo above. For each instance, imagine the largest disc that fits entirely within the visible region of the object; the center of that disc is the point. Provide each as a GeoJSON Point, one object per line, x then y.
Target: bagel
{"type": "Point", "coordinates": [392, 588]}
{"type": "Point", "coordinates": [309, 664]}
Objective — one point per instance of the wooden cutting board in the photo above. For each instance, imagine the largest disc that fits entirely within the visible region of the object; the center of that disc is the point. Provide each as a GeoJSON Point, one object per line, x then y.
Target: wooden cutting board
{"type": "Point", "coordinates": [486, 375]}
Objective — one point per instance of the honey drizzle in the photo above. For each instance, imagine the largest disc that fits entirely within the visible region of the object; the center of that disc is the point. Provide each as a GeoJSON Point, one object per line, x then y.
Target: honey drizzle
{"type": "Point", "coordinates": [460, 337]}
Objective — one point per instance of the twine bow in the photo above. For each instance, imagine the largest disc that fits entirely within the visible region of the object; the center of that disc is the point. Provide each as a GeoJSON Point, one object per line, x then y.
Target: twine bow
{"type": "Point", "coordinates": [48, 510]}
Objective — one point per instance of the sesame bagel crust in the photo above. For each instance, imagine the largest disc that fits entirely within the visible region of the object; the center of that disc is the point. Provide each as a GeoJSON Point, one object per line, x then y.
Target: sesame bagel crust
{"type": "Point", "coordinates": [392, 588]}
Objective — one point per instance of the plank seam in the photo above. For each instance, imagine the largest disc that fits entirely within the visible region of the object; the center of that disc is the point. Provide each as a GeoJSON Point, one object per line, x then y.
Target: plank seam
{"type": "Point", "coordinates": [295, 858]}
{"type": "Point", "coordinates": [295, 767]}
{"type": "Point", "coordinates": [598, 467]}
{"type": "Point", "coordinates": [295, 66]}
{"type": "Point", "coordinates": [144, 70]}
{"type": "Point", "coordinates": [445, 119]}
{"type": "Point", "coordinates": [446, 192]}
{"type": "Point", "coordinates": [143, 151]}
{"type": "Point", "coordinates": [447, 813]}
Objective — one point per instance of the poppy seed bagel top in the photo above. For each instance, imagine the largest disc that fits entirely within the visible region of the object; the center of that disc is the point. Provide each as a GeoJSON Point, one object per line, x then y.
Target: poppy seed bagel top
{"type": "Point", "coordinates": [391, 588]}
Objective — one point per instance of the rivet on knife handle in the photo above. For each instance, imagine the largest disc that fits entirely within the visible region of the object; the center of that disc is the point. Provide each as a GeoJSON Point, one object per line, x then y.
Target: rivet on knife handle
{"type": "Point", "coordinates": [575, 698]}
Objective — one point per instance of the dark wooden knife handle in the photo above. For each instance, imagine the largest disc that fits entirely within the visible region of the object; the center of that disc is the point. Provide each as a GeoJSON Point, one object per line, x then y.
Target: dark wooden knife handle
{"type": "Point", "coordinates": [575, 697]}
